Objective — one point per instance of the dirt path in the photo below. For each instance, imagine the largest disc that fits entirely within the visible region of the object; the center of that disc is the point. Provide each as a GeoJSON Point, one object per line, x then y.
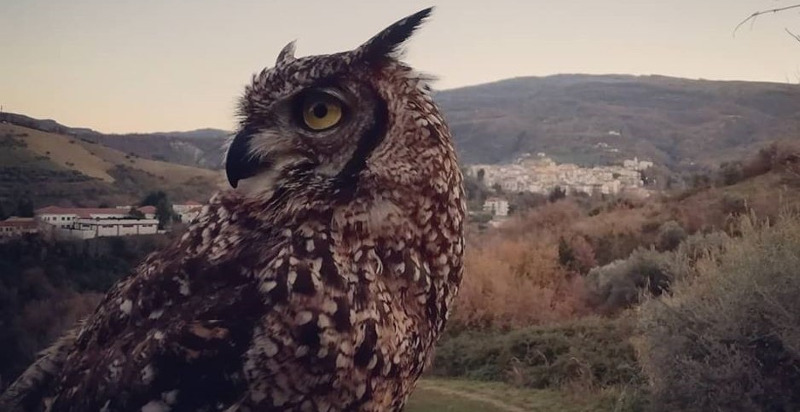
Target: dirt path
{"type": "Point", "coordinates": [474, 396]}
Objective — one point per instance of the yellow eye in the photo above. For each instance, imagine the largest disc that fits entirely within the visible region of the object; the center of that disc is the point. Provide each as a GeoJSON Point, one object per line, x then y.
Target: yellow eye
{"type": "Point", "coordinates": [321, 112]}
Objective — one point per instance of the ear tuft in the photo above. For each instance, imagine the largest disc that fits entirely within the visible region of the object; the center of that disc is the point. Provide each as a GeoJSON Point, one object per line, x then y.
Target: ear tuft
{"type": "Point", "coordinates": [287, 53]}
{"type": "Point", "coordinates": [387, 43]}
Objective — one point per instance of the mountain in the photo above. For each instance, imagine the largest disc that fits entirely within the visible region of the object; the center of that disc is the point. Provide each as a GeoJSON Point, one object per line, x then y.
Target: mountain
{"type": "Point", "coordinates": [598, 119]}
{"type": "Point", "coordinates": [201, 147]}
{"type": "Point", "coordinates": [585, 119]}
{"type": "Point", "coordinates": [61, 169]}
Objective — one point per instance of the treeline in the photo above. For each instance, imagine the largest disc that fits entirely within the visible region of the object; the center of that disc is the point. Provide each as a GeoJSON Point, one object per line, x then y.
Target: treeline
{"type": "Point", "coordinates": [46, 285]}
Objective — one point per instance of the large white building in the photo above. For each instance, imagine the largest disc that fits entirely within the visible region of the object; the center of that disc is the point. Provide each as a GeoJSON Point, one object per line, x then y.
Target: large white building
{"type": "Point", "coordinates": [92, 228]}
{"type": "Point", "coordinates": [496, 206]}
{"type": "Point", "coordinates": [88, 223]}
{"type": "Point", "coordinates": [187, 211]}
{"type": "Point", "coordinates": [17, 226]}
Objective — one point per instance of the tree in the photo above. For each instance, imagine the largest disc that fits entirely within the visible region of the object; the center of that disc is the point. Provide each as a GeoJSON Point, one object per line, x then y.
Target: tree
{"type": "Point", "coordinates": [136, 213]}
{"type": "Point", "coordinates": [481, 175]}
{"type": "Point", "coordinates": [3, 215]}
{"type": "Point", "coordinates": [565, 253]}
{"type": "Point", "coordinates": [164, 212]}
{"type": "Point", "coordinates": [557, 194]}
{"type": "Point", "coordinates": [755, 15]}
{"type": "Point", "coordinates": [25, 207]}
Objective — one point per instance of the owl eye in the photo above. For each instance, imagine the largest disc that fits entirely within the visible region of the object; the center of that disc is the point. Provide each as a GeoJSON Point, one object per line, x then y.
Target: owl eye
{"type": "Point", "coordinates": [321, 111]}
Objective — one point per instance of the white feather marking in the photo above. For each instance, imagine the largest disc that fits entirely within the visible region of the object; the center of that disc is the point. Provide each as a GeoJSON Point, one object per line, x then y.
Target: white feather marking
{"type": "Point", "coordinates": [156, 314]}
{"type": "Point", "coordinates": [126, 306]}
{"type": "Point", "coordinates": [156, 406]}
{"type": "Point", "coordinates": [170, 397]}
{"type": "Point", "coordinates": [303, 317]}
{"type": "Point", "coordinates": [148, 373]}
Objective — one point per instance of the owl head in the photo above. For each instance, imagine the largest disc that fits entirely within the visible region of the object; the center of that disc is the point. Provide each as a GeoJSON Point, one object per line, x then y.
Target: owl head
{"type": "Point", "coordinates": [325, 117]}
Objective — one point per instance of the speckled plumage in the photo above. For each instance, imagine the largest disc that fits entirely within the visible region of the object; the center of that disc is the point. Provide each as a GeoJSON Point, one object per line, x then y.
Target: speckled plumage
{"type": "Point", "coordinates": [322, 285]}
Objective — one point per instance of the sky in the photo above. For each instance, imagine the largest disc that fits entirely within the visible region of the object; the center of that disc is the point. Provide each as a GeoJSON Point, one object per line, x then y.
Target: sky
{"type": "Point", "coordinates": [162, 65]}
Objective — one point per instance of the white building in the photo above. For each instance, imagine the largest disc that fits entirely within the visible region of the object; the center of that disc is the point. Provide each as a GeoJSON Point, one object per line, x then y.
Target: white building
{"type": "Point", "coordinates": [88, 223]}
{"type": "Point", "coordinates": [187, 211]}
{"type": "Point", "coordinates": [63, 217]}
{"type": "Point", "coordinates": [18, 226]}
{"type": "Point", "coordinates": [92, 228]}
{"type": "Point", "coordinates": [541, 174]}
{"type": "Point", "coordinates": [637, 164]}
{"type": "Point", "coordinates": [496, 206]}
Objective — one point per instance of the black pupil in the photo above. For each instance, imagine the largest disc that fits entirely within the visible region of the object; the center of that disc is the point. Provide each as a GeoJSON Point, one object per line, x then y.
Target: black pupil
{"type": "Point", "coordinates": [320, 110]}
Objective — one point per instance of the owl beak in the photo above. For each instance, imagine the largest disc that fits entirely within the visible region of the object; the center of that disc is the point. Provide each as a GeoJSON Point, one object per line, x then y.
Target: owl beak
{"type": "Point", "coordinates": [239, 161]}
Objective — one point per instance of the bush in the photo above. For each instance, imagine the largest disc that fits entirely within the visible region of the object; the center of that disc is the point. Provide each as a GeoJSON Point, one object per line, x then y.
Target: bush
{"type": "Point", "coordinates": [729, 338]}
{"type": "Point", "coordinates": [620, 284]}
{"type": "Point", "coordinates": [702, 245]}
{"type": "Point", "coordinates": [45, 285]}
{"type": "Point", "coordinates": [670, 235]}
{"type": "Point", "coordinates": [733, 204]}
{"type": "Point", "coordinates": [592, 352]}
{"type": "Point", "coordinates": [514, 283]}
{"type": "Point", "coordinates": [730, 173]}
{"type": "Point", "coordinates": [576, 255]}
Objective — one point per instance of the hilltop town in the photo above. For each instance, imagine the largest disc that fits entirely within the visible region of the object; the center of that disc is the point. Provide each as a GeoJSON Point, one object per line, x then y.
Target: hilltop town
{"type": "Point", "coordinates": [541, 174]}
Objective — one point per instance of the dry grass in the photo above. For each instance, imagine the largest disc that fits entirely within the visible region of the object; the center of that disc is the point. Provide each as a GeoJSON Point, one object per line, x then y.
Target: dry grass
{"type": "Point", "coordinates": [58, 148]}
{"type": "Point", "coordinates": [513, 277]}
{"type": "Point", "coordinates": [97, 161]}
{"type": "Point", "coordinates": [512, 283]}
{"type": "Point", "coordinates": [170, 171]}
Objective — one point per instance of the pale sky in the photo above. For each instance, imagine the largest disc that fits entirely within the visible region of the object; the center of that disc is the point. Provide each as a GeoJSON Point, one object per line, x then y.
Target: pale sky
{"type": "Point", "coordinates": [162, 65]}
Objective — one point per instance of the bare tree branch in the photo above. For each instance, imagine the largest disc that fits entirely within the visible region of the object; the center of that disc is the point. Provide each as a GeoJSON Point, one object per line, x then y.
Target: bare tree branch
{"type": "Point", "coordinates": [753, 16]}
{"type": "Point", "coordinates": [795, 36]}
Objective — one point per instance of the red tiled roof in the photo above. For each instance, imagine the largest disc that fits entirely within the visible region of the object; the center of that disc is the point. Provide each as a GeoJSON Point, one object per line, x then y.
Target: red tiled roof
{"type": "Point", "coordinates": [18, 222]}
{"type": "Point", "coordinates": [147, 209]}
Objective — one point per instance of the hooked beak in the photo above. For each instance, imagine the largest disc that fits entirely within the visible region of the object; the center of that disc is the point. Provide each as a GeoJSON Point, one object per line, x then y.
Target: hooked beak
{"type": "Point", "coordinates": [239, 161]}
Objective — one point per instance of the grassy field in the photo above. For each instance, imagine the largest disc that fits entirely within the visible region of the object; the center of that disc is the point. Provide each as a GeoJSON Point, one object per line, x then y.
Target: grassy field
{"type": "Point", "coordinates": [95, 160]}
{"type": "Point", "coordinates": [56, 169]}
{"type": "Point", "coordinates": [440, 395]}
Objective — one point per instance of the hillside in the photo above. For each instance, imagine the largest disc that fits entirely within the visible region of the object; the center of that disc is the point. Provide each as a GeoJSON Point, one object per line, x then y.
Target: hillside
{"type": "Point", "coordinates": [586, 119]}
{"type": "Point", "coordinates": [52, 168]}
{"type": "Point", "coordinates": [201, 147]}
{"type": "Point", "coordinates": [595, 119]}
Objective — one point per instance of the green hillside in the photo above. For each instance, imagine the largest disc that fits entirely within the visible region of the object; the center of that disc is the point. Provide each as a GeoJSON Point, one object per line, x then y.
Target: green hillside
{"type": "Point", "coordinates": [51, 168]}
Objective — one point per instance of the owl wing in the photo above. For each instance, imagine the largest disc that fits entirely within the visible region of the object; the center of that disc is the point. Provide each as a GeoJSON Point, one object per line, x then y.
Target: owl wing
{"type": "Point", "coordinates": [27, 392]}
{"type": "Point", "coordinates": [165, 341]}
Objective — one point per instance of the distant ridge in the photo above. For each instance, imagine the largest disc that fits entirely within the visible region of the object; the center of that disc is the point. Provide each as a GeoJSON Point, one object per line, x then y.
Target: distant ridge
{"type": "Point", "coordinates": [52, 126]}
{"type": "Point", "coordinates": [68, 170]}
{"type": "Point", "coordinates": [678, 123]}
{"type": "Point", "coordinates": [600, 119]}
{"type": "Point", "coordinates": [201, 147]}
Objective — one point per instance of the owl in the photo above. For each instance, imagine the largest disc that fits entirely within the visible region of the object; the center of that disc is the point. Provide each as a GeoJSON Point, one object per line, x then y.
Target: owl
{"type": "Point", "coordinates": [319, 282]}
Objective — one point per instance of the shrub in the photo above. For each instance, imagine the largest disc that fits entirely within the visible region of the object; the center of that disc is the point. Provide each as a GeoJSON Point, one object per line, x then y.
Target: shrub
{"type": "Point", "coordinates": [729, 338]}
{"type": "Point", "coordinates": [702, 245]}
{"type": "Point", "coordinates": [45, 285]}
{"type": "Point", "coordinates": [730, 173]}
{"type": "Point", "coordinates": [576, 255]}
{"type": "Point", "coordinates": [733, 204]}
{"type": "Point", "coordinates": [619, 284]}
{"type": "Point", "coordinates": [594, 352]}
{"type": "Point", "coordinates": [513, 283]}
{"type": "Point", "coordinates": [670, 235]}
